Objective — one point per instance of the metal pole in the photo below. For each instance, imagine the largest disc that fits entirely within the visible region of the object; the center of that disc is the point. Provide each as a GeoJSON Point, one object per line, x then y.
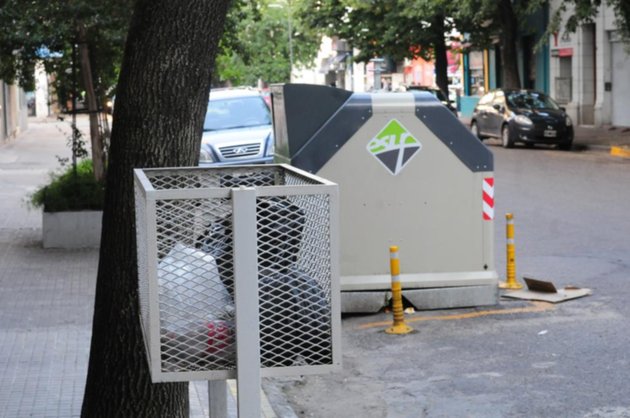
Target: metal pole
{"type": "Point", "coordinates": [510, 282]}
{"type": "Point", "coordinates": [74, 108]}
{"type": "Point", "coordinates": [399, 326]}
{"type": "Point", "coordinates": [217, 398]}
{"type": "Point", "coordinates": [246, 301]}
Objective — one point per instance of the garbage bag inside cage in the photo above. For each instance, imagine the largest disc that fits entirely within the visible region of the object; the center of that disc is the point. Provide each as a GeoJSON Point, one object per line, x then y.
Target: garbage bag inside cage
{"type": "Point", "coordinates": [280, 227]}
{"type": "Point", "coordinates": [295, 317]}
{"type": "Point", "coordinates": [196, 311]}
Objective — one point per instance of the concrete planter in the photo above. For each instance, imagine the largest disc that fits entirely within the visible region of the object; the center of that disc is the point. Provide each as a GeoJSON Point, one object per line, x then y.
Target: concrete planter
{"type": "Point", "coordinates": [72, 229]}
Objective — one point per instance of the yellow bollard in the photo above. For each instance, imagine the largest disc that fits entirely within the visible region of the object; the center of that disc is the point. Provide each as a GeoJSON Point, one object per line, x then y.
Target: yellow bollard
{"type": "Point", "coordinates": [399, 326]}
{"type": "Point", "coordinates": [510, 282]}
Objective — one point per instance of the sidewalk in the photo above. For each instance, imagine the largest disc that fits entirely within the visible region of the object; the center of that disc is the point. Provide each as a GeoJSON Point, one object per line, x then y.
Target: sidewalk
{"type": "Point", "coordinates": [47, 295]}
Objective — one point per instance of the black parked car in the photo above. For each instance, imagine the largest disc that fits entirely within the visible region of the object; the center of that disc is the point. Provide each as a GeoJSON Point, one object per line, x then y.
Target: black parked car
{"type": "Point", "coordinates": [526, 116]}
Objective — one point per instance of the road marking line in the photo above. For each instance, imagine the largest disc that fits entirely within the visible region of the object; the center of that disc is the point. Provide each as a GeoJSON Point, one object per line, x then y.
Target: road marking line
{"type": "Point", "coordinates": [534, 307]}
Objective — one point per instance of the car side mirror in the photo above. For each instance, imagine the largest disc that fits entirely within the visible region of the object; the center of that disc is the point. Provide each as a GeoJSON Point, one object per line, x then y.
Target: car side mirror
{"type": "Point", "coordinates": [564, 109]}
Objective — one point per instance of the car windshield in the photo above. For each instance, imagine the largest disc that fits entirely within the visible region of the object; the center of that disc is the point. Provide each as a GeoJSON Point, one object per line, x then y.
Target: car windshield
{"type": "Point", "coordinates": [234, 113]}
{"type": "Point", "coordinates": [530, 100]}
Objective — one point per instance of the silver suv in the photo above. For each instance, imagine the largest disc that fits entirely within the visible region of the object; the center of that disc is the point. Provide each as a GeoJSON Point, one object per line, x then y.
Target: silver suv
{"type": "Point", "coordinates": [237, 129]}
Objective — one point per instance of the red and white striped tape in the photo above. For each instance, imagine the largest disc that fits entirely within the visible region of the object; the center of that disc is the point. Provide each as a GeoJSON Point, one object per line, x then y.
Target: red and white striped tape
{"type": "Point", "coordinates": [488, 198]}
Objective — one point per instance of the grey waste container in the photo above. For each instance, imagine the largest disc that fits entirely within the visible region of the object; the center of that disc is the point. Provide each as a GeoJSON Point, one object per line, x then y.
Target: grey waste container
{"type": "Point", "coordinates": [409, 174]}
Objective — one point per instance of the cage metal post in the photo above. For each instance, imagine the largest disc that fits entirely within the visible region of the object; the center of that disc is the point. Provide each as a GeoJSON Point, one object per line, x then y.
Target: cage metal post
{"type": "Point", "coordinates": [217, 398]}
{"type": "Point", "coordinates": [246, 301]}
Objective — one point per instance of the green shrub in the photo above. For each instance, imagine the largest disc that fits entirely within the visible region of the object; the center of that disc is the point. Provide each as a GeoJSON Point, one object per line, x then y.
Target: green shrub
{"type": "Point", "coordinates": [69, 192]}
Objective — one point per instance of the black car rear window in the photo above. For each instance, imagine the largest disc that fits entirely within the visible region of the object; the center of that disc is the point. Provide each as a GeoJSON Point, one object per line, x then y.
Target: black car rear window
{"type": "Point", "coordinates": [531, 100]}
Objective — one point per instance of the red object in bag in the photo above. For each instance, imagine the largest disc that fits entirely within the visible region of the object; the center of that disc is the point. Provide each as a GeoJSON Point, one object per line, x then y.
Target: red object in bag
{"type": "Point", "coordinates": [220, 336]}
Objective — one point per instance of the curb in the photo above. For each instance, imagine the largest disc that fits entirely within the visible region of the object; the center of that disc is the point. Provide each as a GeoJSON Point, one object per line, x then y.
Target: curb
{"type": "Point", "coordinates": [622, 151]}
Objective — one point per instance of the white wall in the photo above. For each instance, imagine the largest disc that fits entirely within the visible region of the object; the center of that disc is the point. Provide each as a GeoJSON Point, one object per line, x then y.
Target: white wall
{"type": "Point", "coordinates": [312, 74]}
{"type": "Point", "coordinates": [41, 92]}
{"type": "Point", "coordinates": [593, 70]}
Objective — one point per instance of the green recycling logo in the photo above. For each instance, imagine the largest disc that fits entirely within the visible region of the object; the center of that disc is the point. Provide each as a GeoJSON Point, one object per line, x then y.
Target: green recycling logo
{"type": "Point", "coordinates": [394, 147]}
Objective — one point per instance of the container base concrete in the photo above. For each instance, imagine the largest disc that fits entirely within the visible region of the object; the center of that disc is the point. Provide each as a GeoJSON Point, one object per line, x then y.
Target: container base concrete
{"type": "Point", "coordinates": [72, 229]}
{"type": "Point", "coordinates": [422, 299]}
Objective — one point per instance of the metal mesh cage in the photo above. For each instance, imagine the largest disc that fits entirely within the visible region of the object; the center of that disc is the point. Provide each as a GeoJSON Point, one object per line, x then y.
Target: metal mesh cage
{"type": "Point", "coordinates": [185, 229]}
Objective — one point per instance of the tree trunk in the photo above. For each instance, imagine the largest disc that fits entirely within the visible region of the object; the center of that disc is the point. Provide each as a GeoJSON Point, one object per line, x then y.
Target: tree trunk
{"type": "Point", "coordinates": [98, 154]}
{"type": "Point", "coordinates": [441, 60]}
{"type": "Point", "coordinates": [161, 101]}
{"type": "Point", "coordinates": [509, 56]}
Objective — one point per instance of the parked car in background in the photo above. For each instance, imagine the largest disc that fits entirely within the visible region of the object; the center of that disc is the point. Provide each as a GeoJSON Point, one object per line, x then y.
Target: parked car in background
{"type": "Point", "coordinates": [237, 129]}
{"type": "Point", "coordinates": [525, 116]}
{"type": "Point", "coordinates": [438, 95]}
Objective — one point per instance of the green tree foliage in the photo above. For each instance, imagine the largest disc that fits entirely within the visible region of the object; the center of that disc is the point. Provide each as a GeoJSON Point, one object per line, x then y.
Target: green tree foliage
{"type": "Point", "coordinates": [395, 29]}
{"type": "Point", "coordinates": [45, 31]}
{"type": "Point", "coordinates": [409, 28]}
{"type": "Point", "coordinates": [256, 44]}
{"type": "Point", "coordinates": [62, 35]}
{"type": "Point", "coordinates": [71, 190]}
{"type": "Point", "coordinates": [491, 22]}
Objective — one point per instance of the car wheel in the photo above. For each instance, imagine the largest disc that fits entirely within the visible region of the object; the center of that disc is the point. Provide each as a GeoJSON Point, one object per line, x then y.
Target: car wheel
{"type": "Point", "coordinates": [474, 129]}
{"type": "Point", "coordinates": [566, 146]}
{"type": "Point", "coordinates": [506, 138]}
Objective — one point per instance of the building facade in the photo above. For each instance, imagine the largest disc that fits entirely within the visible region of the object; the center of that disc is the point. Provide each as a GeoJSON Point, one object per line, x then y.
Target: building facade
{"type": "Point", "coordinates": [13, 111]}
{"type": "Point", "coordinates": [590, 71]}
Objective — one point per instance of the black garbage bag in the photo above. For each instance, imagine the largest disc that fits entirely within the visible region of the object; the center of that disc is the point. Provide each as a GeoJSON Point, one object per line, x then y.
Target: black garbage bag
{"type": "Point", "coordinates": [280, 228]}
{"type": "Point", "coordinates": [295, 319]}
{"type": "Point", "coordinates": [217, 241]}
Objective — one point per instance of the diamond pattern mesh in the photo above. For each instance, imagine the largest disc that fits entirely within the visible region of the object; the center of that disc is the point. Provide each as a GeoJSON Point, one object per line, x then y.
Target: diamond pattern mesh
{"type": "Point", "coordinates": [195, 272]}
{"type": "Point", "coordinates": [294, 281]}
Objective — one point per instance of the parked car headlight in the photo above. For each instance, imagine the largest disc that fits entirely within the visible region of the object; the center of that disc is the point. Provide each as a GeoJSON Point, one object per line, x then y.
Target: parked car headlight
{"type": "Point", "coordinates": [205, 155]}
{"type": "Point", "coordinates": [270, 147]}
{"type": "Point", "coordinates": [523, 120]}
{"type": "Point", "coordinates": [568, 120]}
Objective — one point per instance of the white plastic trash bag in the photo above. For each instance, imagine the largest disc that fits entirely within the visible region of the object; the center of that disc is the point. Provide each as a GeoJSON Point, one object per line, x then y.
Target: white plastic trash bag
{"type": "Point", "coordinates": [196, 310]}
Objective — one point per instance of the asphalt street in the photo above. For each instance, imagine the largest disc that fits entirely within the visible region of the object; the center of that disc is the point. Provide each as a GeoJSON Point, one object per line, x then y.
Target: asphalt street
{"type": "Point", "coordinates": [519, 358]}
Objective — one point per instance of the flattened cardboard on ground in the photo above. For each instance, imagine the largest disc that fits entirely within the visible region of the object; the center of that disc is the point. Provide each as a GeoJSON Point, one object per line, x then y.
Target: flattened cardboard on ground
{"type": "Point", "coordinates": [547, 292]}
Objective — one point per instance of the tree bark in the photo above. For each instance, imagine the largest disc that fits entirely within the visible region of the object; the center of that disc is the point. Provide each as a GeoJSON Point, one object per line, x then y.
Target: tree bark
{"type": "Point", "coordinates": [441, 60]}
{"type": "Point", "coordinates": [98, 154]}
{"type": "Point", "coordinates": [509, 56]}
{"type": "Point", "coordinates": [161, 101]}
